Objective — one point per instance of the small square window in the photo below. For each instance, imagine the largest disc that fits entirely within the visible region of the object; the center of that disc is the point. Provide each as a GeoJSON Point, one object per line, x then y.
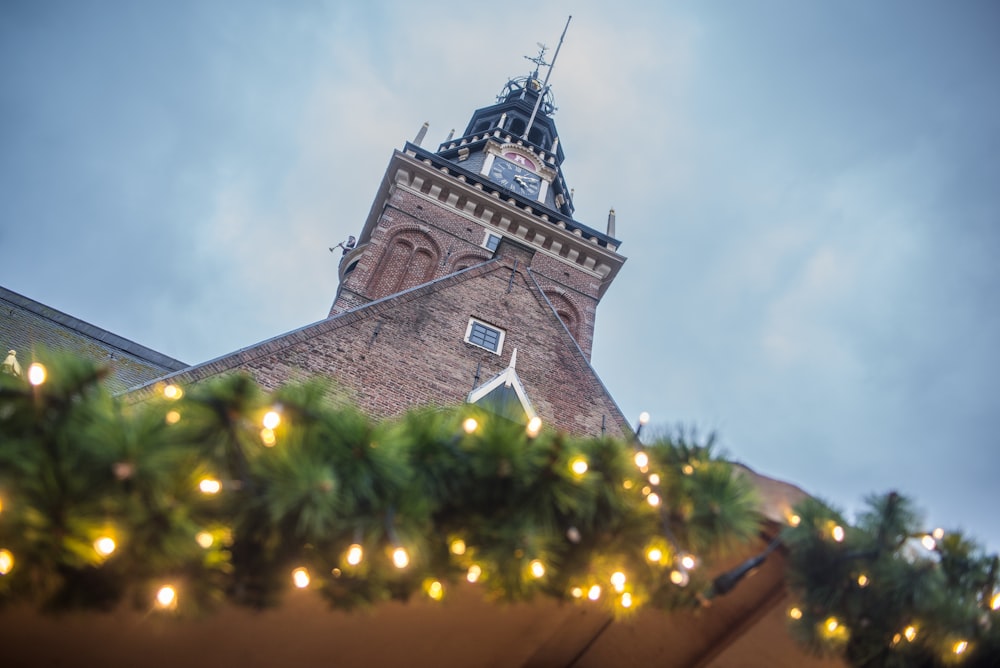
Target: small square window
{"type": "Point", "coordinates": [485, 336]}
{"type": "Point", "coordinates": [492, 241]}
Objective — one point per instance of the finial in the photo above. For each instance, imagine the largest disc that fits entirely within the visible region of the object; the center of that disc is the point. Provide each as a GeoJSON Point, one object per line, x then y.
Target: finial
{"type": "Point", "coordinates": [513, 359]}
{"type": "Point", "coordinates": [611, 222]}
{"type": "Point", "coordinates": [555, 145]}
{"type": "Point", "coordinates": [538, 60]}
{"type": "Point", "coordinates": [11, 365]}
{"type": "Point", "coordinates": [450, 135]}
{"type": "Point", "coordinates": [503, 119]}
{"type": "Point", "coordinates": [421, 133]}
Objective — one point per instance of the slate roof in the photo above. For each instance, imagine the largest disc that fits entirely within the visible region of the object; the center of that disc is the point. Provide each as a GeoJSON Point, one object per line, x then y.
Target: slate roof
{"type": "Point", "coordinates": [28, 326]}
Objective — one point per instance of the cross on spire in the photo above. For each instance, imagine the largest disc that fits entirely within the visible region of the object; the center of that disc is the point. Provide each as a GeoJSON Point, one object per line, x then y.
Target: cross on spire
{"type": "Point", "coordinates": [539, 60]}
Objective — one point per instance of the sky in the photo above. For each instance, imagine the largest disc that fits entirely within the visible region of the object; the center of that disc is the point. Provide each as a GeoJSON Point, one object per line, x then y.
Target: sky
{"type": "Point", "coordinates": [807, 194]}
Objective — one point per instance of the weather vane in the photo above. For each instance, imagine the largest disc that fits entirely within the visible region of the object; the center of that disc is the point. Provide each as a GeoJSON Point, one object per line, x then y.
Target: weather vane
{"type": "Point", "coordinates": [539, 60]}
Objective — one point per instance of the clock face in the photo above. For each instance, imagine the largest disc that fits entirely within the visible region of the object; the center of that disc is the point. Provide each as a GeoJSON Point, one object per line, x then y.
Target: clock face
{"type": "Point", "coordinates": [515, 178]}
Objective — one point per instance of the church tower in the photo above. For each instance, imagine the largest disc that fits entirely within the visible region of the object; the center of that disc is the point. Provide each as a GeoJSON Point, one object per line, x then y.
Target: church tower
{"type": "Point", "coordinates": [441, 211]}
{"type": "Point", "coordinates": [470, 282]}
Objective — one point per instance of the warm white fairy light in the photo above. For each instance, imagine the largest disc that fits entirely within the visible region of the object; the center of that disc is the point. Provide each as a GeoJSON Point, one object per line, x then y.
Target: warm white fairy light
{"type": "Point", "coordinates": [209, 486]}
{"type": "Point", "coordinates": [646, 490]}
{"type": "Point", "coordinates": [838, 533]}
{"type": "Point", "coordinates": [654, 554]}
{"type": "Point", "coordinates": [627, 484]}
{"type": "Point", "coordinates": [537, 568]}
{"type": "Point", "coordinates": [166, 596]}
{"type": "Point", "coordinates": [300, 577]}
{"type": "Point", "coordinates": [435, 590]}
{"type": "Point", "coordinates": [653, 499]}
{"type": "Point", "coordinates": [470, 425]}
{"type": "Point", "coordinates": [641, 459]}
{"type": "Point", "coordinates": [654, 479]}
{"type": "Point", "coordinates": [687, 469]}
{"type": "Point", "coordinates": [960, 647]}
{"type": "Point", "coordinates": [928, 542]}
{"type": "Point", "coordinates": [534, 426]}
{"type": "Point", "coordinates": [995, 602]}
{"type": "Point", "coordinates": [576, 592]}
{"type": "Point", "coordinates": [863, 581]}
{"type": "Point", "coordinates": [271, 420]}
{"type": "Point", "coordinates": [578, 465]}
{"type": "Point", "coordinates": [173, 417]}
{"type": "Point", "coordinates": [457, 546]}
{"type": "Point", "coordinates": [172, 392]}
{"type": "Point", "coordinates": [204, 539]}
{"type": "Point", "coordinates": [400, 558]}
{"type": "Point", "coordinates": [626, 600]}
{"type": "Point", "coordinates": [910, 633]}
{"type": "Point", "coordinates": [688, 561]}
{"type": "Point", "coordinates": [618, 581]}
{"type": "Point", "coordinates": [472, 575]}
{"type": "Point", "coordinates": [104, 545]}
{"type": "Point", "coordinates": [6, 561]}
{"type": "Point", "coordinates": [795, 613]}
{"type": "Point", "coordinates": [679, 577]}
{"type": "Point", "coordinates": [267, 437]}
{"type": "Point", "coordinates": [794, 520]}
{"type": "Point", "coordinates": [354, 554]}
{"type": "Point", "coordinates": [36, 373]}
{"type": "Point", "coordinates": [594, 592]}
{"type": "Point", "coordinates": [831, 624]}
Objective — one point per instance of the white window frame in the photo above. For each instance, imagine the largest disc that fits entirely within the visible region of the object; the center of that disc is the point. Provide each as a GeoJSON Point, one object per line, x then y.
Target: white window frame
{"type": "Point", "coordinates": [486, 240]}
{"type": "Point", "coordinates": [468, 334]}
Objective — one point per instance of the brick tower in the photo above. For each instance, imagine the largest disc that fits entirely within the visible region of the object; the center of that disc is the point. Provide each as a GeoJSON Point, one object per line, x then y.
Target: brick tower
{"type": "Point", "coordinates": [470, 281]}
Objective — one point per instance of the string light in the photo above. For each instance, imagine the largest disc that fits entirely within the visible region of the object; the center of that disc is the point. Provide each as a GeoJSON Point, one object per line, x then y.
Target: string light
{"type": "Point", "coordinates": [995, 602]}
{"type": "Point", "coordinates": [6, 561]}
{"type": "Point", "coordinates": [938, 533]}
{"type": "Point", "coordinates": [576, 592]}
{"type": "Point", "coordinates": [687, 469]}
{"type": "Point", "coordinates": [654, 554]}
{"type": "Point", "coordinates": [36, 374]}
{"type": "Point", "coordinates": [928, 542]}
{"type": "Point", "coordinates": [400, 559]}
{"type": "Point", "coordinates": [653, 499]}
{"type": "Point", "coordinates": [104, 545]}
{"type": "Point", "coordinates": [578, 466]}
{"type": "Point", "coordinates": [537, 568]}
{"type": "Point", "coordinates": [838, 533]}
{"type": "Point", "coordinates": [641, 459]}
{"type": "Point", "coordinates": [271, 420]}
{"type": "Point", "coordinates": [594, 592]}
{"type": "Point", "coordinates": [173, 417]}
{"type": "Point", "coordinates": [209, 486]}
{"type": "Point", "coordinates": [204, 539]}
{"type": "Point", "coordinates": [435, 590]}
{"type": "Point", "coordinates": [795, 613]}
{"type": "Point", "coordinates": [863, 580]}
{"type": "Point", "coordinates": [172, 392]}
{"type": "Point", "coordinates": [470, 425]}
{"type": "Point", "coordinates": [300, 577]}
{"type": "Point", "coordinates": [688, 561]}
{"type": "Point", "coordinates": [267, 437]}
{"type": "Point", "coordinates": [910, 633]}
{"type": "Point", "coordinates": [627, 484]}
{"type": "Point", "coordinates": [534, 426]}
{"type": "Point", "coordinates": [354, 554]}
{"type": "Point", "coordinates": [458, 546]}
{"type": "Point", "coordinates": [654, 479]}
{"type": "Point", "coordinates": [626, 600]}
{"type": "Point", "coordinates": [679, 577]}
{"type": "Point", "coordinates": [831, 624]}
{"type": "Point", "coordinates": [472, 575]}
{"type": "Point", "coordinates": [166, 597]}
{"type": "Point", "coordinates": [618, 581]}
{"type": "Point", "coordinates": [794, 520]}
{"type": "Point", "coordinates": [960, 647]}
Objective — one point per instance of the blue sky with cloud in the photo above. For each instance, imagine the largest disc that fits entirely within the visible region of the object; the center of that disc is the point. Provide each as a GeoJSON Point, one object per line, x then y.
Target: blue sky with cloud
{"type": "Point", "coordinates": [806, 192]}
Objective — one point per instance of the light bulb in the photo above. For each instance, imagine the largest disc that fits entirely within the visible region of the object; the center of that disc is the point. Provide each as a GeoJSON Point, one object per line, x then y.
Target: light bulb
{"type": "Point", "coordinates": [687, 469]}
{"type": "Point", "coordinates": [795, 613]}
{"type": "Point", "coordinates": [910, 633]}
{"type": "Point", "coordinates": [104, 545]}
{"type": "Point", "coordinates": [209, 486]}
{"type": "Point", "coordinates": [271, 420]}
{"type": "Point", "coordinates": [626, 600]}
{"type": "Point", "coordinates": [537, 568]}
{"type": "Point", "coordinates": [300, 577]}
{"type": "Point", "coordinates": [534, 426]}
{"type": "Point", "coordinates": [400, 558]}
{"type": "Point", "coordinates": [472, 575]}
{"type": "Point", "coordinates": [641, 459]}
{"type": "Point", "coordinates": [863, 580]}
{"type": "Point", "coordinates": [458, 546]}
{"type": "Point", "coordinates": [36, 373]}
{"type": "Point", "coordinates": [794, 520]}
{"type": "Point", "coordinates": [576, 592]}
{"type": "Point", "coordinates": [204, 539]}
{"type": "Point", "coordinates": [831, 624]}
{"type": "Point", "coordinates": [470, 425]}
{"type": "Point", "coordinates": [995, 602]}
{"type": "Point", "coordinates": [838, 533]}
{"type": "Point", "coordinates": [173, 417]}
{"type": "Point", "coordinates": [928, 542]}
{"type": "Point", "coordinates": [267, 437]}
{"type": "Point", "coordinates": [654, 479]}
{"type": "Point", "coordinates": [679, 577]}
{"type": "Point", "coordinates": [618, 581]}
{"type": "Point", "coordinates": [166, 597]}
{"type": "Point", "coordinates": [654, 554]}
{"type": "Point", "coordinates": [172, 392]}
{"type": "Point", "coordinates": [643, 418]}
{"type": "Point", "coordinates": [6, 562]}
{"type": "Point", "coordinates": [594, 593]}
{"type": "Point", "coordinates": [435, 590]}
{"type": "Point", "coordinates": [938, 533]}
{"type": "Point", "coordinates": [653, 499]}
{"type": "Point", "coordinates": [579, 465]}
{"type": "Point", "coordinates": [960, 647]}
{"type": "Point", "coordinates": [688, 561]}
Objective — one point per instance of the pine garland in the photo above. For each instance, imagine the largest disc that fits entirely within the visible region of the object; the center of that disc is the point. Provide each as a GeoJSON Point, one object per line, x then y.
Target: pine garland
{"type": "Point", "coordinates": [221, 492]}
